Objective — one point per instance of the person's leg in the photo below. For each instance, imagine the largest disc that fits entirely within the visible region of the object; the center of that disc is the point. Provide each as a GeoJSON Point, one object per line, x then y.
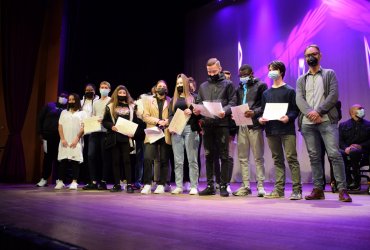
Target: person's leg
{"type": "Point", "coordinates": [192, 145]}
{"type": "Point", "coordinates": [178, 152]}
{"type": "Point", "coordinates": [243, 155]}
{"type": "Point", "coordinates": [222, 142]}
{"type": "Point", "coordinates": [277, 152]}
{"type": "Point", "coordinates": [290, 148]}
{"type": "Point", "coordinates": [150, 151]}
{"type": "Point", "coordinates": [257, 146]}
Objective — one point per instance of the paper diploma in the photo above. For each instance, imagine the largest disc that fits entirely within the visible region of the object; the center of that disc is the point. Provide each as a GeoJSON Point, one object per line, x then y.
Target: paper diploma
{"type": "Point", "coordinates": [91, 124]}
{"type": "Point", "coordinates": [203, 110]}
{"type": "Point", "coordinates": [239, 117]}
{"type": "Point", "coordinates": [274, 111]}
{"type": "Point", "coordinates": [215, 108]}
{"type": "Point", "coordinates": [154, 134]}
{"type": "Point", "coordinates": [126, 127]}
{"type": "Point", "coordinates": [178, 122]}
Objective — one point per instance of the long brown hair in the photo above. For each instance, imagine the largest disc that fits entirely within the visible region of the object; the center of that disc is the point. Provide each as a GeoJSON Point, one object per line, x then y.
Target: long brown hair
{"type": "Point", "coordinates": [188, 96]}
{"type": "Point", "coordinates": [114, 98]}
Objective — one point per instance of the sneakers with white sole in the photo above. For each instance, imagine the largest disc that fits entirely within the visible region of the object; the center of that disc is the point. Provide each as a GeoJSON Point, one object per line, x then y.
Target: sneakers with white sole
{"type": "Point", "coordinates": [159, 189]}
{"type": "Point", "coordinates": [147, 189]}
{"type": "Point", "coordinates": [261, 192]}
{"type": "Point", "coordinates": [193, 191]}
{"type": "Point", "coordinates": [228, 189]}
{"type": "Point", "coordinates": [42, 183]}
{"type": "Point", "coordinates": [73, 186]}
{"type": "Point", "coordinates": [59, 185]}
{"type": "Point", "coordinates": [177, 190]}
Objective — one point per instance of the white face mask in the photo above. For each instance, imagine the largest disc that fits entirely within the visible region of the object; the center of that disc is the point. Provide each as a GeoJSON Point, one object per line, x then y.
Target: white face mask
{"type": "Point", "coordinates": [360, 113]}
{"type": "Point", "coordinates": [62, 100]}
{"type": "Point", "coordinates": [274, 74]}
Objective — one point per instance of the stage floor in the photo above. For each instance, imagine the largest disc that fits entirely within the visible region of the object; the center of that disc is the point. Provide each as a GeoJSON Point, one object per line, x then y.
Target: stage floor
{"type": "Point", "coordinates": [105, 220]}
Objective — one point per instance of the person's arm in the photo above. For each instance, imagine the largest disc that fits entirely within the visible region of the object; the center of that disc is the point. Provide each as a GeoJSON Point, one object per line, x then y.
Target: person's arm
{"type": "Point", "coordinates": [41, 119]}
{"type": "Point", "coordinates": [342, 144]}
{"type": "Point", "coordinates": [147, 116]}
{"type": "Point", "coordinates": [231, 98]}
{"type": "Point", "coordinates": [332, 98]}
{"type": "Point", "coordinates": [293, 110]}
{"type": "Point", "coordinates": [301, 96]}
{"type": "Point", "coordinates": [107, 119]}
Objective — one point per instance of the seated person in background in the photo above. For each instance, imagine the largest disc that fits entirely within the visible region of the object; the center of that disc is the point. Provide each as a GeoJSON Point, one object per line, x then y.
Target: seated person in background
{"type": "Point", "coordinates": [354, 143]}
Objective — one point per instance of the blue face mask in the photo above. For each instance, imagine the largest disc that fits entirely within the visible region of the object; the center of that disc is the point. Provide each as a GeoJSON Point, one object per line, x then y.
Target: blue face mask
{"type": "Point", "coordinates": [244, 80]}
{"type": "Point", "coordinates": [360, 113]}
{"type": "Point", "coordinates": [104, 92]}
{"type": "Point", "coordinates": [274, 74]}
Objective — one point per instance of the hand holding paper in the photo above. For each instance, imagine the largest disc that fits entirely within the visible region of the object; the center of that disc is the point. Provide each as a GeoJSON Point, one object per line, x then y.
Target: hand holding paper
{"type": "Point", "coordinates": [275, 111]}
{"type": "Point", "coordinates": [126, 127]}
{"type": "Point", "coordinates": [239, 117]}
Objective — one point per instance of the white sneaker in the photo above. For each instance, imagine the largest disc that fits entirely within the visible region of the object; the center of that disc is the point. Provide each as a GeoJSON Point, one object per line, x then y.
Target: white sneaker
{"type": "Point", "coordinates": [147, 189]}
{"type": "Point", "coordinates": [261, 192]}
{"type": "Point", "coordinates": [177, 191]}
{"type": "Point", "coordinates": [193, 191]}
{"type": "Point", "coordinates": [228, 189]}
{"type": "Point", "coordinates": [59, 185]}
{"type": "Point", "coordinates": [186, 186]}
{"type": "Point", "coordinates": [73, 186]}
{"type": "Point", "coordinates": [42, 183]}
{"type": "Point", "coordinates": [123, 184]}
{"type": "Point", "coordinates": [159, 189]}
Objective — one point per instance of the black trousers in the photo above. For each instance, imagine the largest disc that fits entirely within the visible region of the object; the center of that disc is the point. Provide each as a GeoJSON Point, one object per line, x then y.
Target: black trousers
{"type": "Point", "coordinates": [149, 154]}
{"type": "Point", "coordinates": [217, 137]}
{"type": "Point", "coordinates": [64, 167]}
{"type": "Point", "coordinates": [99, 159]}
{"type": "Point", "coordinates": [51, 157]}
{"type": "Point", "coordinates": [121, 154]}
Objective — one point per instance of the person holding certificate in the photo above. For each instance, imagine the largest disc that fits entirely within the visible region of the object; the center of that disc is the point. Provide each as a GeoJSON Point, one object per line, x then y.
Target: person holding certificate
{"type": "Point", "coordinates": [216, 92]}
{"type": "Point", "coordinates": [250, 137]}
{"type": "Point", "coordinates": [188, 138]}
{"type": "Point", "coordinates": [122, 106]}
{"type": "Point", "coordinates": [280, 130]}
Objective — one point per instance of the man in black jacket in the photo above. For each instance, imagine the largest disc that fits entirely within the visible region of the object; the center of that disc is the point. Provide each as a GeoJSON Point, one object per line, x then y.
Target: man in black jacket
{"type": "Point", "coordinates": [216, 130]}
{"type": "Point", "coordinates": [47, 126]}
{"type": "Point", "coordinates": [250, 138]}
{"type": "Point", "coordinates": [354, 144]}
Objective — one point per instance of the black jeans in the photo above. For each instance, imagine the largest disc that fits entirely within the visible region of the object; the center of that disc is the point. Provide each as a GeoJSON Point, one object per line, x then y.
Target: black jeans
{"type": "Point", "coordinates": [149, 154]}
{"type": "Point", "coordinates": [121, 151]}
{"type": "Point", "coordinates": [98, 157]}
{"type": "Point", "coordinates": [217, 137]}
{"type": "Point", "coordinates": [51, 157]}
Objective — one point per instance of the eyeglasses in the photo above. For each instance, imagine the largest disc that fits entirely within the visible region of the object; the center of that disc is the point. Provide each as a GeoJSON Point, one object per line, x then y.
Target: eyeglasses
{"type": "Point", "coordinates": [312, 54]}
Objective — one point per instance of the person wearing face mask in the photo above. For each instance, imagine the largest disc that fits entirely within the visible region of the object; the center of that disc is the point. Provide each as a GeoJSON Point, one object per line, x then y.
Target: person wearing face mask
{"type": "Point", "coordinates": [354, 144]}
{"type": "Point", "coordinates": [70, 146]}
{"type": "Point", "coordinates": [99, 161]}
{"type": "Point", "coordinates": [281, 136]}
{"type": "Point", "coordinates": [156, 115]}
{"type": "Point", "coordinates": [250, 138]}
{"type": "Point", "coordinates": [317, 95]}
{"type": "Point", "coordinates": [87, 104]}
{"type": "Point", "coordinates": [121, 105]}
{"type": "Point", "coordinates": [47, 128]}
{"type": "Point", "coordinates": [188, 140]}
{"type": "Point", "coordinates": [216, 130]}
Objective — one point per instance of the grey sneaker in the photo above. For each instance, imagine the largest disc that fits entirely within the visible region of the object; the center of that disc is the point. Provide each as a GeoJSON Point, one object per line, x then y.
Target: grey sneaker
{"type": "Point", "coordinates": [274, 195]}
{"type": "Point", "coordinates": [261, 192]}
{"type": "Point", "coordinates": [242, 191]}
{"type": "Point", "coordinates": [296, 195]}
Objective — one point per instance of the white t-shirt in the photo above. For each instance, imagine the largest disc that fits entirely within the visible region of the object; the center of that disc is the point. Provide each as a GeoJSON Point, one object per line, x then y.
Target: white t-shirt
{"type": "Point", "coordinates": [99, 109]}
{"type": "Point", "coordinates": [71, 124]}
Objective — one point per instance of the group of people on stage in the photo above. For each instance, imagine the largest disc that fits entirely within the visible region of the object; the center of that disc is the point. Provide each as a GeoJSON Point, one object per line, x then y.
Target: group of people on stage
{"type": "Point", "coordinates": [313, 102]}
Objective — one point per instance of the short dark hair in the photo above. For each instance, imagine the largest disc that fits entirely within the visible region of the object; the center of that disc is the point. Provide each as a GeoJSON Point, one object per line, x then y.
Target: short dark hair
{"type": "Point", "coordinates": [278, 65]}
{"type": "Point", "coordinates": [245, 68]}
{"type": "Point", "coordinates": [312, 46]}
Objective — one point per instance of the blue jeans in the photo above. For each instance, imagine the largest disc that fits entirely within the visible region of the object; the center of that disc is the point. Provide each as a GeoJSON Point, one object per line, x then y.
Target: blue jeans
{"type": "Point", "coordinates": [188, 140]}
{"type": "Point", "coordinates": [329, 134]}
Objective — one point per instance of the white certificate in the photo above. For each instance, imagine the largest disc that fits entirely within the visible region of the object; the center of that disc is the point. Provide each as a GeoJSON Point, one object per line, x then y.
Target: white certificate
{"type": "Point", "coordinates": [178, 122]}
{"type": "Point", "coordinates": [91, 124]}
{"type": "Point", "coordinates": [203, 110]}
{"type": "Point", "coordinates": [126, 127]}
{"type": "Point", "coordinates": [239, 117]}
{"type": "Point", "coordinates": [274, 111]}
{"type": "Point", "coordinates": [154, 134]}
{"type": "Point", "coordinates": [215, 108]}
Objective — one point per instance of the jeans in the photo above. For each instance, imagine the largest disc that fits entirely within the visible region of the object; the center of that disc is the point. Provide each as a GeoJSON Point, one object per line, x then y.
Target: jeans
{"type": "Point", "coordinates": [251, 139]}
{"type": "Point", "coordinates": [190, 141]}
{"type": "Point", "coordinates": [329, 133]}
{"type": "Point", "coordinates": [278, 144]}
{"type": "Point", "coordinates": [99, 158]}
{"type": "Point", "coordinates": [217, 137]}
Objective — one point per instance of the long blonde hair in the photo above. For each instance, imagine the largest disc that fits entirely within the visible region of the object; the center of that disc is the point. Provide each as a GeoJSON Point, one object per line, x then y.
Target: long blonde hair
{"type": "Point", "coordinates": [189, 99]}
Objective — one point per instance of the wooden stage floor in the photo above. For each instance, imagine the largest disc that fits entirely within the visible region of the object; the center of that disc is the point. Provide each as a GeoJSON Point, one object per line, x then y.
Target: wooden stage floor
{"type": "Point", "coordinates": [105, 220]}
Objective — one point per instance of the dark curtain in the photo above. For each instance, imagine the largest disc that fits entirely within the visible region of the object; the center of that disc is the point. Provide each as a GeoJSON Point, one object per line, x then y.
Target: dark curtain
{"type": "Point", "coordinates": [21, 28]}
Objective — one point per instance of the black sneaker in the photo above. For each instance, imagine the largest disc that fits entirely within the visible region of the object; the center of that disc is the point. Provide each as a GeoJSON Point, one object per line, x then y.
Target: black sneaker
{"type": "Point", "coordinates": [129, 189]}
{"type": "Point", "coordinates": [102, 186]}
{"type": "Point", "coordinates": [209, 190]}
{"type": "Point", "coordinates": [223, 191]}
{"type": "Point", "coordinates": [90, 186]}
{"type": "Point", "coordinates": [116, 188]}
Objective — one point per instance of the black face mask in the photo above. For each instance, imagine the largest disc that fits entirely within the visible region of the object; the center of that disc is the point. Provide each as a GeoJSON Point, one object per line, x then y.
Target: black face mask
{"type": "Point", "coordinates": [89, 95]}
{"type": "Point", "coordinates": [214, 78]}
{"type": "Point", "coordinates": [312, 61]}
{"type": "Point", "coordinates": [161, 91]}
{"type": "Point", "coordinates": [180, 89]}
{"type": "Point", "coordinates": [122, 98]}
{"type": "Point", "coordinates": [71, 105]}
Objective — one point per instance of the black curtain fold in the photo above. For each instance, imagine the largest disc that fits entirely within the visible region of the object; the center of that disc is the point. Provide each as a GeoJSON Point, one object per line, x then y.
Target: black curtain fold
{"type": "Point", "coordinates": [21, 27]}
